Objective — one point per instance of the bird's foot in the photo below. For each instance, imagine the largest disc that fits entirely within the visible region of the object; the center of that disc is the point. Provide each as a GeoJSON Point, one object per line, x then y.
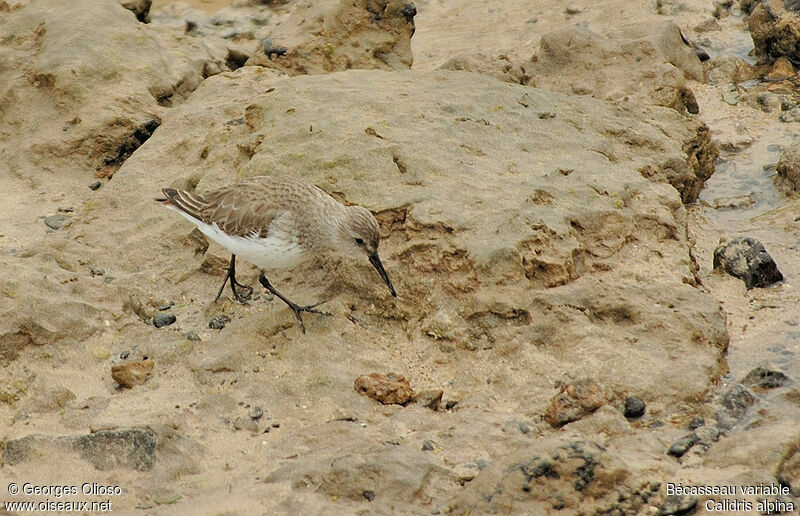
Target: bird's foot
{"type": "Point", "coordinates": [297, 309]}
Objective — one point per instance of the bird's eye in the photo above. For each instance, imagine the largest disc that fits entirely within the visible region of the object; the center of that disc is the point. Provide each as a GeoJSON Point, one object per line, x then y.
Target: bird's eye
{"type": "Point", "coordinates": [359, 241]}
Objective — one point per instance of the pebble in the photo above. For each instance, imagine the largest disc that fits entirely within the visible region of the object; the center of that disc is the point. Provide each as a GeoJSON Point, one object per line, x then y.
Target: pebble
{"type": "Point", "coordinates": [427, 445]}
{"type": "Point", "coordinates": [97, 272]}
{"type": "Point", "coordinates": [256, 412]}
{"type": "Point", "coordinates": [192, 335]}
{"type": "Point", "coordinates": [634, 407]}
{"type": "Point", "coordinates": [747, 259]}
{"type": "Point", "coordinates": [218, 321]}
{"type": "Point", "coordinates": [369, 495]}
{"type": "Point", "coordinates": [572, 9]}
{"type": "Point", "coordinates": [523, 428]}
{"type": "Point", "coordinates": [132, 373]}
{"type": "Point", "coordinates": [245, 423]}
{"type": "Point", "coordinates": [386, 388]}
{"type": "Point", "coordinates": [125, 354]}
{"type": "Point", "coordinates": [162, 319]}
{"type": "Point", "coordinates": [678, 504]}
{"type": "Point", "coordinates": [430, 398]}
{"type": "Point", "coordinates": [697, 422]}
{"type": "Point", "coordinates": [95, 186]}
{"type": "Point", "coordinates": [55, 221]}
{"type": "Point", "coordinates": [683, 445]}
{"type": "Point", "coordinates": [275, 424]}
{"type": "Point", "coordinates": [763, 378]}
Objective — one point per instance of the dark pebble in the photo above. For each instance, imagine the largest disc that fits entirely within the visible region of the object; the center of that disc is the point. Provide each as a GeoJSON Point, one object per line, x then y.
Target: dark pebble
{"type": "Point", "coordinates": [427, 445]}
{"type": "Point", "coordinates": [166, 307]}
{"type": "Point", "coordinates": [634, 407]}
{"type": "Point", "coordinates": [256, 412]}
{"type": "Point", "coordinates": [95, 186]}
{"type": "Point", "coordinates": [696, 423]}
{"type": "Point", "coordinates": [678, 504]}
{"type": "Point", "coordinates": [67, 209]}
{"type": "Point", "coordinates": [764, 378]}
{"type": "Point", "coordinates": [163, 319]}
{"type": "Point", "coordinates": [523, 428]}
{"type": "Point", "coordinates": [369, 495]}
{"type": "Point", "coordinates": [683, 445]}
{"type": "Point", "coordinates": [218, 321]}
{"type": "Point", "coordinates": [275, 424]}
{"type": "Point", "coordinates": [97, 272]}
{"type": "Point", "coordinates": [747, 259]}
{"type": "Point", "coordinates": [192, 335]}
{"type": "Point", "coordinates": [125, 354]}
{"type": "Point", "coordinates": [55, 221]}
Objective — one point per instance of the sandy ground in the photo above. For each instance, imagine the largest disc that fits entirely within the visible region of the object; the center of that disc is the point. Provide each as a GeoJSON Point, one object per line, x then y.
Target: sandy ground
{"type": "Point", "coordinates": [529, 249]}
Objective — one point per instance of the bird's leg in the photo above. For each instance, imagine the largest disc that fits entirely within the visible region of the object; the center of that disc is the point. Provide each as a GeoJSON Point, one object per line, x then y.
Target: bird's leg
{"type": "Point", "coordinates": [231, 275]}
{"type": "Point", "coordinates": [294, 306]}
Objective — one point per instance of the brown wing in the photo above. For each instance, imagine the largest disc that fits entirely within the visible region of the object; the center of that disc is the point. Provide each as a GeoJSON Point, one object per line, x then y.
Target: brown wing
{"type": "Point", "coordinates": [236, 209]}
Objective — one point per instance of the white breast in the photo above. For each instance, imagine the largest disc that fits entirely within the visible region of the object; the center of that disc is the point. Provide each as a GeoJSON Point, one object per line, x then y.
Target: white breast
{"type": "Point", "coordinates": [279, 250]}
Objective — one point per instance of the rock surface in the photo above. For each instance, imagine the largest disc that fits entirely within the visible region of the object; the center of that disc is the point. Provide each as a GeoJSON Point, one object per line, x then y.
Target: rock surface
{"type": "Point", "coordinates": [534, 217]}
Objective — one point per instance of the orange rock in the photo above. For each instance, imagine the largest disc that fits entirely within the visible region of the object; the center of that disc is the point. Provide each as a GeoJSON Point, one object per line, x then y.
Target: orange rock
{"type": "Point", "coordinates": [388, 389]}
{"type": "Point", "coordinates": [573, 402]}
{"type": "Point", "coordinates": [132, 373]}
{"type": "Point", "coordinates": [781, 70]}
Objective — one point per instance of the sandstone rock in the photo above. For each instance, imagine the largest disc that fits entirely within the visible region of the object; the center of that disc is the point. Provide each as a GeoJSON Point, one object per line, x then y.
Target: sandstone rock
{"type": "Point", "coordinates": [140, 8]}
{"type": "Point", "coordinates": [106, 449]}
{"type": "Point", "coordinates": [765, 378]}
{"type": "Point", "coordinates": [334, 35]}
{"type": "Point", "coordinates": [775, 31]}
{"type": "Point", "coordinates": [532, 480]}
{"type": "Point", "coordinates": [573, 402]}
{"type": "Point", "coordinates": [132, 373]}
{"type": "Point", "coordinates": [655, 59]}
{"type": "Point", "coordinates": [747, 259]}
{"type": "Point", "coordinates": [390, 473]}
{"type": "Point", "coordinates": [430, 398]}
{"type": "Point", "coordinates": [788, 167]}
{"type": "Point", "coordinates": [387, 389]}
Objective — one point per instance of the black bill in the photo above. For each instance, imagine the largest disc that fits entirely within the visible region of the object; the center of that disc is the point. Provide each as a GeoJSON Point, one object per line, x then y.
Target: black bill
{"type": "Point", "coordinates": [376, 261]}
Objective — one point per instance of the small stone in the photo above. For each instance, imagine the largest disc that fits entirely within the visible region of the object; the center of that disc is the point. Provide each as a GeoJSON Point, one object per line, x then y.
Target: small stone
{"type": "Point", "coordinates": [95, 186]}
{"type": "Point", "coordinates": [427, 445]}
{"type": "Point", "coordinates": [682, 445]}
{"type": "Point", "coordinates": [634, 407]}
{"type": "Point", "coordinates": [763, 378]}
{"type": "Point", "coordinates": [125, 354]}
{"type": "Point", "coordinates": [97, 272]}
{"type": "Point", "coordinates": [167, 306]}
{"type": "Point", "coordinates": [696, 423]}
{"type": "Point", "coordinates": [275, 424]}
{"type": "Point", "coordinates": [678, 504]}
{"type": "Point", "coordinates": [572, 9]}
{"type": "Point", "coordinates": [162, 319]}
{"type": "Point", "coordinates": [781, 71]}
{"type": "Point", "coordinates": [55, 221]}
{"type": "Point", "coordinates": [747, 259]}
{"type": "Point", "coordinates": [192, 335]}
{"type": "Point", "coordinates": [218, 321]}
{"type": "Point", "coordinates": [245, 423]}
{"type": "Point", "coordinates": [387, 389]}
{"type": "Point", "coordinates": [256, 412]}
{"type": "Point", "coordinates": [430, 398]}
{"type": "Point", "coordinates": [523, 428]}
{"type": "Point", "coordinates": [369, 495]}
{"type": "Point", "coordinates": [132, 373]}
{"type": "Point", "coordinates": [574, 402]}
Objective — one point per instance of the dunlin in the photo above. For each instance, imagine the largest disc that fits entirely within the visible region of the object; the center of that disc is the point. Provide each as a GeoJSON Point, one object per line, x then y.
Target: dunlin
{"type": "Point", "coordinates": [274, 223]}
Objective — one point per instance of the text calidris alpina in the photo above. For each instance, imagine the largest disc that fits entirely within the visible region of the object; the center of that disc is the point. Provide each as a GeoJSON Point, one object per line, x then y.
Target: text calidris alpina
{"type": "Point", "coordinates": [274, 222]}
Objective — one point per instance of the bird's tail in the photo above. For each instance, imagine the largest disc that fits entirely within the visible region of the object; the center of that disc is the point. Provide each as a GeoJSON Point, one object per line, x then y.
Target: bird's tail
{"type": "Point", "coordinates": [182, 200]}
